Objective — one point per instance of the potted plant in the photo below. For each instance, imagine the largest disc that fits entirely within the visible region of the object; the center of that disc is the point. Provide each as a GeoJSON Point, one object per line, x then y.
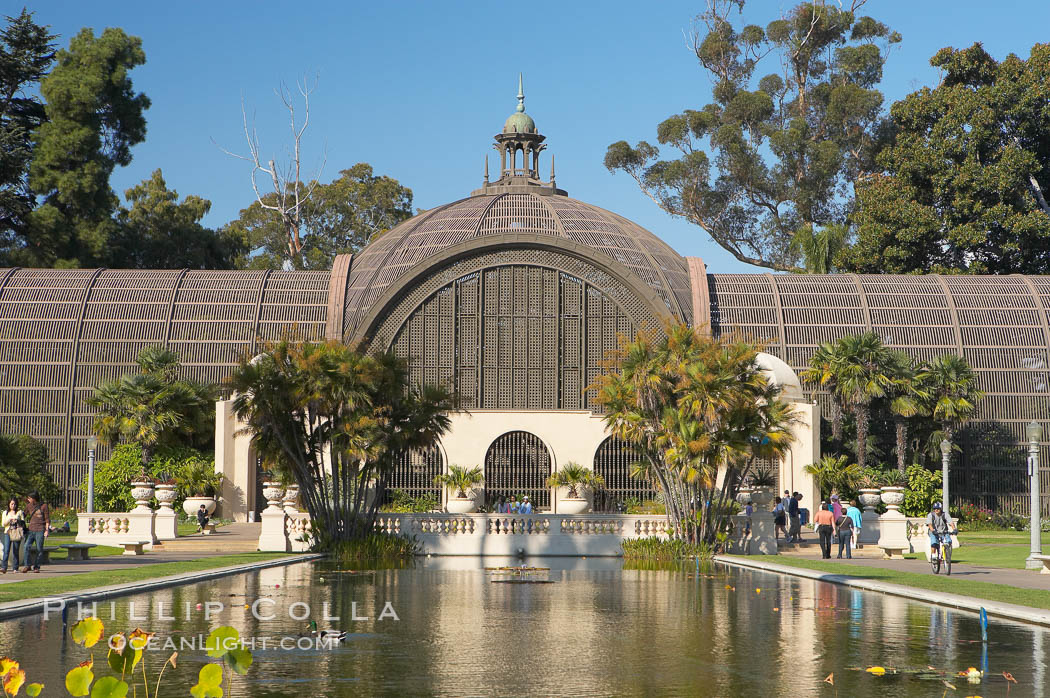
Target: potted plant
{"type": "Point", "coordinates": [762, 484]}
{"type": "Point", "coordinates": [199, 484]}
{"type": "Point", "coordinates": [574, 477]}
{"type": "Point", "coordinates": [166, 493]}
{"type": "Point", "coordinates": [461, 481]}
{"type": "Point", "coordinates": [142, 491]}
{"type": "Point", "coordinates": [893, 484]}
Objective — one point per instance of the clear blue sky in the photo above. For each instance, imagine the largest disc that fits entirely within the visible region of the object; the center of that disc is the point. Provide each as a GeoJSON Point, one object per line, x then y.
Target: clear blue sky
{"type": "Point", "coordinates": [417, 89]}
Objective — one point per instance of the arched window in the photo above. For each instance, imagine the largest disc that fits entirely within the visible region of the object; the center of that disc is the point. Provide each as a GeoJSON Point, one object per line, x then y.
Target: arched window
{"type": "Point", "coordinates": [414, 474]}
{"type": "Point", "coordinates": [613, 461]}
{"type": "Point", "coordinates": [518, 463]}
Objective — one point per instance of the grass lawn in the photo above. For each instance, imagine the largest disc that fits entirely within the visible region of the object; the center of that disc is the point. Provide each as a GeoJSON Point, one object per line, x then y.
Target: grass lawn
{"type": "Point", "coordinates": [1036, 598]}
{"type": "Point", "coordinates": [60, 585]}
{"type": "Point", "coordinates": [993, 549]}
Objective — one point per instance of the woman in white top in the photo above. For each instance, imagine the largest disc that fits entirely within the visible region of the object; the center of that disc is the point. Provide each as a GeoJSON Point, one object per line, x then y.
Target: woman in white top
{"type": "Point", "coordinates": [11, 526]}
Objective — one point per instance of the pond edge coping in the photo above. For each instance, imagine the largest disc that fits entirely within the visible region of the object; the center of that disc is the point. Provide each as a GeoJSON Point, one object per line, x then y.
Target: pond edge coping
{"type": "Point", "coordinates": [1025, 614]}
{"type": "Point", "coordinates": [25, 607]}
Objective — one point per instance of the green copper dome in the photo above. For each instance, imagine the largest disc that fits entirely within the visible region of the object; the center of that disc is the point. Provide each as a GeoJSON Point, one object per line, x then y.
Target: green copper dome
{"type": "Point", "coordinates": [519, 122]}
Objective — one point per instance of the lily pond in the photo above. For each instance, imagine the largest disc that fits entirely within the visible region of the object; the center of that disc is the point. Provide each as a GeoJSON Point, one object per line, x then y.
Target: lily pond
{"type": "Point", "coordinates": [586, 627]}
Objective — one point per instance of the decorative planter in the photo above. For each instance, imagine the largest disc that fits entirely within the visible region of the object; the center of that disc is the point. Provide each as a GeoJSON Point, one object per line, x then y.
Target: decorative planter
{"type": "Point", "coordinates": [291, 496]}
{"type": "Point", "coordinates": [273, 491]}
{"type": "Point", "coordinates": [460, 505]}
{"type": "Point", "coordinates": [761, 497]}
{"type": "Point", "coordinates": [869, 498]}
{"type": "Point", "coordinates": [166, 495]}
{"type": "Point", "coordinates": [892, 497]}
{"type": "Point", "coordinates": [142, 492]}
{"type": "Point", "coordinates": [743, 496]}
{"type": "Point", "coordinates": [575, 505]}
{"type": "Point", "coordinates": [190, 505]}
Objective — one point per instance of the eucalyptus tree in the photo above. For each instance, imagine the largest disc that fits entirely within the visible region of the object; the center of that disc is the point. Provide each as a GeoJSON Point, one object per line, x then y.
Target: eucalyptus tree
{"type": "Point", "coordinates": [336, 419]}
{"type": "Point", "coordinates": [774, 155]}
{"type": "Point", "coordinates": [699, 410]}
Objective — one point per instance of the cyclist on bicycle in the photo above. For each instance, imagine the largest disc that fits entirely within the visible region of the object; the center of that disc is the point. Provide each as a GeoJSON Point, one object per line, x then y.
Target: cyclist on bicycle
{"type": "Point", "coordinates": [940, 525]}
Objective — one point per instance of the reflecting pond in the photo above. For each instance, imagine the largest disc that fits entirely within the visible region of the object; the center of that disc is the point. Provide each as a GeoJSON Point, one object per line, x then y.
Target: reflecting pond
{"type": "Point", "coordinates": [597, 629]}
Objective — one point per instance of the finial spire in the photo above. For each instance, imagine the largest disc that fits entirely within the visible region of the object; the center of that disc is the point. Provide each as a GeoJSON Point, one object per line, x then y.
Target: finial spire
{"type": "Point", "coordinates": [486, 169]}
{"type": "Point", "coordinates": [552, 169]}
{"type": "Point", "coordinates": [521, 95]}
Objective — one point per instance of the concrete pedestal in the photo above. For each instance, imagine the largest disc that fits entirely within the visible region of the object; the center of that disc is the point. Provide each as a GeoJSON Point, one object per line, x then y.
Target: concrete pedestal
{"type": "Point", "coordinates": [870, 530]}
{"type": "Point", "coordinates": [272, 537]}
{"type": "Point", "coordinates": [166, 524]}
{"type": "Point", "coordinates": [141, 525]}
{"type": "Point", "coordinates": [893, 538]}
{"type": "Point", "coordinates": [763, 535]}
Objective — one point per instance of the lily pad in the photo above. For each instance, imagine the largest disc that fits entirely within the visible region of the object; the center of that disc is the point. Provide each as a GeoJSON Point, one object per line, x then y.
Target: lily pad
{"type": "Point", "coordinates": [109, 687]}
{"type": "Point", "coordinates": [209, 682]}
{"type": "Point", "coordinates": [87, 632]}
{"type": "Point", "coordinates": [222, 640]}
{"type": "Point", "coordinates": [79, 678]}
{"type": "Point", "coordinates": [240, 660]}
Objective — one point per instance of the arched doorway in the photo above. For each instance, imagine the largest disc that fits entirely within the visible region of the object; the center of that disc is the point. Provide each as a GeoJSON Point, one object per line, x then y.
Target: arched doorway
{"type": "Point", "coordinates": [414, 474]}
{"type": "Point", "coordinates": [518, 463]}
{"type": "Point", "coordinates": [613, 460]}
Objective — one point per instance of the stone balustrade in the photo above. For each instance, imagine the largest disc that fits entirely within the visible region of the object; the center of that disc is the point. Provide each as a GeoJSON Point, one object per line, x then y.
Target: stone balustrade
{"type": "Point", "coordinates": [115, 527]}
{"type": "Point", "coordinates": [490, 534]}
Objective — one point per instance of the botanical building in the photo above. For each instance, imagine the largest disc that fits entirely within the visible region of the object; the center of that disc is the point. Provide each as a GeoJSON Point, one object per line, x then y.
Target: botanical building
{"type": "Point", "coordinates": [512, 296]}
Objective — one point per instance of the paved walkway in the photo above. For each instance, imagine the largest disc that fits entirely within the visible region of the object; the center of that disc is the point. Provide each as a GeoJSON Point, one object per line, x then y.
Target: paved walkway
{"type": "Point", "coordinates": [1025, 579]}
{"type": "Point", "coordinates": [227, 540]}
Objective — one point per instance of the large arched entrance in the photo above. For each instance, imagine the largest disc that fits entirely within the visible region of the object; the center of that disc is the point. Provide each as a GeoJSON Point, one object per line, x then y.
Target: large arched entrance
{"type": "Point", "coordinates": [518, 463]}
{"type": "Point", "coordinates": [414, 474]}
{"type": "Point", "coordinates": [613, 460]}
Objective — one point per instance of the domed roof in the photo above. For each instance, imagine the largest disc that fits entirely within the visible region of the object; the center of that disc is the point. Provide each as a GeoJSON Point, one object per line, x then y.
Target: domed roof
{"type": "Point", "coordinates": [519, 122]}
{"type": "Point", "coordinates": [397, 254]}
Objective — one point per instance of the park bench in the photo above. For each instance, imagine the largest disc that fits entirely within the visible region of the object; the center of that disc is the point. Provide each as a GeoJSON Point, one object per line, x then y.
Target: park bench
{"type": "Point", "coordinates": [1045, 559]}
{"type": "Point", "coordinates": [209, 528]}
{"type": "Point", "coordinates": [77, 551]}
{"type": "Point", "coordinates": [45, 558]}
{"type": "Point", "coordinates": [134, 547]}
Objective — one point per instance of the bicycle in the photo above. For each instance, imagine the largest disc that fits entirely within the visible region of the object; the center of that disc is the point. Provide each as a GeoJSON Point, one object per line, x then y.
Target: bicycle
{"type": "Point", "coordinates": [943, 541]}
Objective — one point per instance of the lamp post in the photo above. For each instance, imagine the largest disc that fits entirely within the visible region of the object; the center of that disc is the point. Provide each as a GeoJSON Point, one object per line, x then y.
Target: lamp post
{"type": "Point", "coordinates": [92, 443]}
{"type": "Point", "coordinates": [1035, 435]}
{"type": "Point", "coordinates": [946, 456]}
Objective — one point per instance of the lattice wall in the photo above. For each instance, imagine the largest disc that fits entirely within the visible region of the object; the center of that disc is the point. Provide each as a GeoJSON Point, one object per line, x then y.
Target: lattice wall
{"type": "Point", "coordinates": [516, 464]}
{"type": "Point", "coordinates": [414, 474]}
{"type": "Point", "coordinates": [613, 460]}
{"type": "Point", "coordinates": [999, 324]}
{"type": "Point", "coordinates": [62, 332]}
{"type": "Point", "coordinates": [513, 337]}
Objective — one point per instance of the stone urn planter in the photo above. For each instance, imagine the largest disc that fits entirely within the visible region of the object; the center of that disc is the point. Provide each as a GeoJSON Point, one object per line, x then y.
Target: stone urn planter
{"type": "Point", "coordinates": [142, 492]}
{"type": "Point", "coordinates": [573, 505]}
{"type": "Point", "coordinates": [291, 497]}
{"type": "Point", "coordinates": [761, 497]}
{"type": "Point", "coordinates": [460, 505]}
{"type": "Point", "coordinates": [166, 495]}
{"type": "Point", "coordinates": [892, 497]}
{"type": "Point", "coordinates": [273, 492]}
{"type": "Point", "coordinates": [191, 505]}
{"type": "Point", "coordinates": [743, 496]}
{"type": "Point", "coordinates": [869, 498]}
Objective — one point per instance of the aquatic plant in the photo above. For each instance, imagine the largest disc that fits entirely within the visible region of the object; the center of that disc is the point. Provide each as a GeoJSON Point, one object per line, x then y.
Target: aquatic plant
{"type": "Point", "coordinates": [13, 677]}
{"type": "Point", "coordinates": [655, 549]}
{"type": "Point", "coordinates": [377, 550]}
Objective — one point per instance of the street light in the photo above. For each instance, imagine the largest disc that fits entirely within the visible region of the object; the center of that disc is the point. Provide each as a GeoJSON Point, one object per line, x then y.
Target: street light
{"type": "Point", "coordinates": [92, 444]}
{"type": "Point", "coordinates": [1035, 435]}
{"type": "Point", "coordinates": [946, 456]}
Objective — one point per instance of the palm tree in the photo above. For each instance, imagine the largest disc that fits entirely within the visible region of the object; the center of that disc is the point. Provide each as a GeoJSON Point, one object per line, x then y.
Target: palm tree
{"type": "Point", "coordinates": [907, 396]}
{"type": "Point", "coordinates": [460, 479]}
{"type": "Point", "coordinates": [835, 473]}
{"type": "Point", "coordinates": [818, 249]}
{"type": "Point", "coordinates": [152, 408]}
{"type": "Point", "coordinates": [861, 363]}
{"type": "Point", "coordinates": [951, 392]}
{"type": "Point", "coordinates": [822, 373]}
{"type": "Point", "coordinates": [574, 476]}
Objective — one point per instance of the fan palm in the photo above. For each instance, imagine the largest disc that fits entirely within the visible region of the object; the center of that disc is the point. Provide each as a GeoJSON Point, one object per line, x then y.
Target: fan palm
{"type": "Point", "coordinates": [835, 473]}
{"type": "Point", "coordinates": [907, 396]}
{"type": "Point", "coordinates": [574, 476]}
{"type": "Point", "coordinates": [460, 479]}
{"type": "Point", "coordinates": [821, 373]}
{"type": "Point", "coordinates": [861, 365]}
{"type": "Point", "coordinates": [951, 391]}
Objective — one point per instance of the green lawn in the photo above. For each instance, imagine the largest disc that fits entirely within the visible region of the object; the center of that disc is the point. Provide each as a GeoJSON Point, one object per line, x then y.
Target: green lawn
{"type": "Point", "coordinates": [993, 548]}
{"type": "Point", "coordinates": [50, 586]}
{"type": "Point", "coordinates": [1036, 598]}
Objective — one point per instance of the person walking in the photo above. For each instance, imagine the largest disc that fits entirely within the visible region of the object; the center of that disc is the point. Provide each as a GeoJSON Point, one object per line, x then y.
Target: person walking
{"type": "Point", "coordinates": [795, 526]}
{"type": "Point", "coordinates": [836, 507]}
{"type": "Point", "coordinates": [844, 533]}
{"type": "Point", "coordinates": [779, 519]}
{"type": "Point", "coordinates": [38, 523]}
{"type": "Point", "coordinates": [12, 530]}
{"type": "Point", "coordinates": [825, 525]}
{"type": "Point", "coordinates": [854, 513]}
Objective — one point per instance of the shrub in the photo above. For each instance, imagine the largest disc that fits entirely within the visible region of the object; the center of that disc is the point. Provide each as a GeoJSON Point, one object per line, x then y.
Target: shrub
{"type": "Point", "coordinates": [655, 549]}
{"type": "Point", "coordinates": [376, 550]}
{"type": "Point", "coordinates": [923, 489]}
{"type": "Point", "coordinates": [634, 505]}
{"type": "Point", "coordinates": [23, 468]}
{"type": "Point", "coordinates": [402, 502]}
{"type": "Point", "coordinates": [113, 476]}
